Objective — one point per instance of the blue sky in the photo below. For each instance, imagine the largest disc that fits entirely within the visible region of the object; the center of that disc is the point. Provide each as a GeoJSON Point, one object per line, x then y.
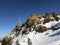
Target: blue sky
{"type": "Point", "coordinates": [17, 11]}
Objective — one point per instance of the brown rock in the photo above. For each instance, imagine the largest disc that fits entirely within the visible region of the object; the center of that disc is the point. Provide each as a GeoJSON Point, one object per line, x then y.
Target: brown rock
{"type": "Point", "coordinates": [33, 19]}
{"type": "Point", "coordinates": [48, 19]}
{"type": "Point", "coordinates": [40, 28]}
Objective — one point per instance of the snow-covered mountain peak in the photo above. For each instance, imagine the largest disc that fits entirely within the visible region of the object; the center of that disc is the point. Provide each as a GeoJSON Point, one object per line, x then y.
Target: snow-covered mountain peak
{"type": "Point", "coordinates": [37, 30]}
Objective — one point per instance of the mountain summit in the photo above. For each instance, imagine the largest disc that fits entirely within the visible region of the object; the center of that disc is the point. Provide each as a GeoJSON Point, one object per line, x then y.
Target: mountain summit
{"type": "Point", "coordinates": [37, 30]}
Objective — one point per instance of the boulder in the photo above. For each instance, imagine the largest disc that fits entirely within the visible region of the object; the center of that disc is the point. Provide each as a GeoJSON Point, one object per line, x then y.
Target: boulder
{"type": "Point", "coordinates": [33, 19]}
{"type": "Point", "coordinates": [41, 28]}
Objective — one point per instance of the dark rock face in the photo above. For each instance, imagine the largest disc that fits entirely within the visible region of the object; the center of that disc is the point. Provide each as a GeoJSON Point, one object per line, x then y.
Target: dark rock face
{"type": "Point", "coordinates": [6, 41]}
{"type": "Point", "coordinates": [29, 42]}
{"type": "Point", "coordinates": [48, 19]}
{"type": "Point", "coordinates": [41, 28]}
{"type": "Point", "coordinates": [17, 43]}
{"type": "Point", "coordinates": [16, 31]}
{"type": "Point", "coordinates": [27, 30]}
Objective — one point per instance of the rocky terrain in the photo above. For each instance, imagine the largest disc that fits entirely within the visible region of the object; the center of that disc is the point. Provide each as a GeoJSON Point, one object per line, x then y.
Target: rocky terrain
{"type": "Point", "coordinates": [37, 30]}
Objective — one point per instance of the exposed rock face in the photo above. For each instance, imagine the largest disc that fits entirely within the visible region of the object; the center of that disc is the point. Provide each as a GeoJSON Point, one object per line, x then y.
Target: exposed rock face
{"type": "Point", "coordinates": [17, 29]}
{"type": "Point", "coordinates": [48, 19]}
{"type": "Point", "coordinates": [14, 33]}
{"type": "Point", "coordinates": [41, 28]}
{"type": "Point", "coordinates": [33, 19]}
{"type": "Point", "coordinates": [35, 22]}
{"type": "Point", "coordinates": [29, 42]}
{"type": "Point", "coordinates": [6, 41]}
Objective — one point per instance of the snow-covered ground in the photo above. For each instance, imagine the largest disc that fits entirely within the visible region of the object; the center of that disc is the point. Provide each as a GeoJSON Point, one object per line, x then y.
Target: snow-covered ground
{"type": "Point", "coordinates": [0, 43]}
{"type": "Point", "coordinates": [47, 38]}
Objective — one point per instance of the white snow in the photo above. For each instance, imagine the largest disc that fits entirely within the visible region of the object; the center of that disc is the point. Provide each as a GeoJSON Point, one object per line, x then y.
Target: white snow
{"type": "Point", "coordinates": [58, 16]}
{"type": "Point", "coordinates": [39, 38]}
{"type": "Point", "coordinates": [55, 43]}
{"type": "Point", "coordinates": [46, 38]}
{"type": "Point", "coordinates": [42, 20]}
{"type": "Point", "coordinates": [52, 17]}
{"type": "Point", "coordinates": [0, 43]}
{"type": "Point", "coordinates": [50, 24]}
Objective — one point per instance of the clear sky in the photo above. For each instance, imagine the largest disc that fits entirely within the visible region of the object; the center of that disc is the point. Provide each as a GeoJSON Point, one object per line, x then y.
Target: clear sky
{"type": "Point", "coordinates": [15, 11]}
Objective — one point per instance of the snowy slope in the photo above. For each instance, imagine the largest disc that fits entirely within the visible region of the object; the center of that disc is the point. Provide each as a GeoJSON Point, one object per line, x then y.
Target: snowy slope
{"type": "Point", "coordinates": [46, 38]}
{"type": "Point", "coordinates": [39, 38]}
{"type": "Point", "coordinates": [33, 37]}
{"type": "Point", "coordinates": [0, 43]}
